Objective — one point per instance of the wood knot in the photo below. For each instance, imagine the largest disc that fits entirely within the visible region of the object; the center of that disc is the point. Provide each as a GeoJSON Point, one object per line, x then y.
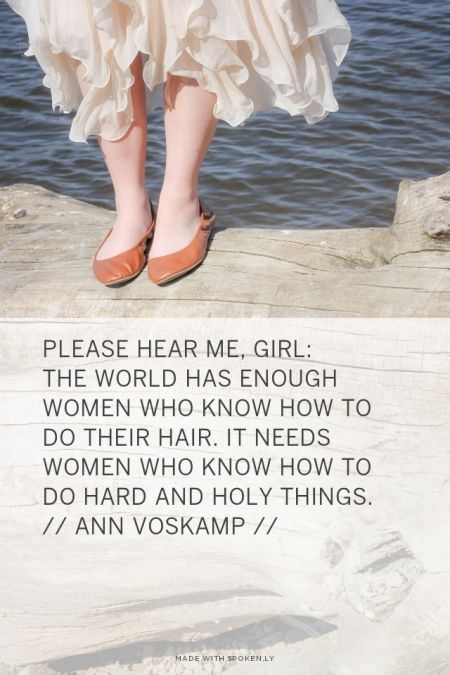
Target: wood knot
{"type": "Point", "coordinates": [332, 553]}
{"type": "Point", "coordinates": [437, 225]}
{"type": "Point", "coordinates": [380, 572]}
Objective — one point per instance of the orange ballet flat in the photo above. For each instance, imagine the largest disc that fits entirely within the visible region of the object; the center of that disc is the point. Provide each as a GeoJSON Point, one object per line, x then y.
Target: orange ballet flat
{"type": "Point", "coordinates": [124, 266]}
{"type": "Point", "coordinates": [166, 268]}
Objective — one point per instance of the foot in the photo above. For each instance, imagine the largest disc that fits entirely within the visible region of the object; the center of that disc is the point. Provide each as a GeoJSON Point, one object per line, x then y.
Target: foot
{"type": "Point", "coordinates": [176, 225]}
{"type": "Point", "coordinates": [129, 227]}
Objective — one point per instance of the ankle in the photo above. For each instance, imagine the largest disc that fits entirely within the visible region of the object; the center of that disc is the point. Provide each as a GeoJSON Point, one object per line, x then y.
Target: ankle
{"type": "Point", "coordinates": [179, 197]}
{"type": "Point", "coordinates": [133, 203]}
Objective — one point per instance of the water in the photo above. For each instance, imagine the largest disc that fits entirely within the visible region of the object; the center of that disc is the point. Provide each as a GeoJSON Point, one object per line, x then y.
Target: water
{"type": "Point", "coordinates": [394, 92]}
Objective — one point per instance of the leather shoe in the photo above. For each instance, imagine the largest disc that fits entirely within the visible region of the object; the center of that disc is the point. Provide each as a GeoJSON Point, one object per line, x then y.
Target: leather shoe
{"type": "Point", "coordinates": [166, 268]}
{"type": "Point", "coordinates": [124, 266]}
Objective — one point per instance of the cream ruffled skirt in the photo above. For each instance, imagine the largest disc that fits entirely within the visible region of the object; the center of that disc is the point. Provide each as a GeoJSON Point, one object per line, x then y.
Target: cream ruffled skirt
{"type": "Point", "coordinates": [253, 54]}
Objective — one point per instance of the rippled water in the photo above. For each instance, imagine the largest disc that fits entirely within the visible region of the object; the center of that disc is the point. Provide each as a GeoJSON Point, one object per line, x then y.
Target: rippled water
{"type": "Point", "coordinates": [394, 91]}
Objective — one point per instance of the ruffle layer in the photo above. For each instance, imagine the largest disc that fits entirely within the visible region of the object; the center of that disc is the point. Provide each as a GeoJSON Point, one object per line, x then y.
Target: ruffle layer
{"type": "Point", "coordinates": [253, 54]}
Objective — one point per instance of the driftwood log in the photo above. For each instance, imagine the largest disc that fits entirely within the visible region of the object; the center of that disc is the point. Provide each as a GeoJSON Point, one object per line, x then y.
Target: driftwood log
{"type": "Point", "coordinates": [48, 241]}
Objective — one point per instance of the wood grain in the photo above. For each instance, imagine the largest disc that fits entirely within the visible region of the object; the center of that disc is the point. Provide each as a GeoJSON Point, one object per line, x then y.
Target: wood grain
{"type": "Point", "coordinates": [376, 577]}
{"type": "Point", "coordinates": [48, 241]}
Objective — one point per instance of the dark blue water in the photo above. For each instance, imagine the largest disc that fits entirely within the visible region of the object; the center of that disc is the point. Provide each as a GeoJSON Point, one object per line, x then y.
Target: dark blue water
{"type": "Point", "coordinates": [394, 122]}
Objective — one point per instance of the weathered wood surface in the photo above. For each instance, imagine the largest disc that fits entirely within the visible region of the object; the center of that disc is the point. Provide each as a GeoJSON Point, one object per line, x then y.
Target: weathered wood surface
{"type": "Point", "coordinates": [48, 242]}
{"type": "Point", "coordinates": [379, 577]}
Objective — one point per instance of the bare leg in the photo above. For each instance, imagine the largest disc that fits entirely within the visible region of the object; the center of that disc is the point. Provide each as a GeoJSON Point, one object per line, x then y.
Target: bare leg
{"type": "Point", "coordinates": [190, 126]}
{"type": "Point", "coordinates": [125, 160]}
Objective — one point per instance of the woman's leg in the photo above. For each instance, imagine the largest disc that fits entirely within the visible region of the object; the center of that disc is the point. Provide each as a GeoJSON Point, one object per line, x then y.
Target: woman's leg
{"type": "Point", "coordinates": [190, 126]}
{"type": "Point", "coordinates": [125, 160]}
